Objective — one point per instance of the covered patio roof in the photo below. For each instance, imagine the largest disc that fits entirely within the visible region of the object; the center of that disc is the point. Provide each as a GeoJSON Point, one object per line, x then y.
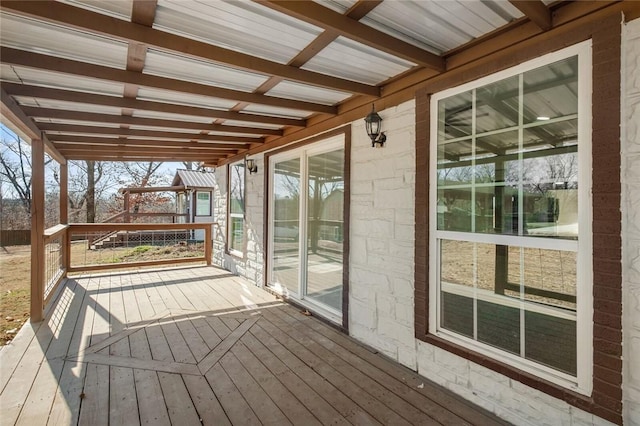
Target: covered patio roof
{"type": "Point", "coordinates": [142, 80]}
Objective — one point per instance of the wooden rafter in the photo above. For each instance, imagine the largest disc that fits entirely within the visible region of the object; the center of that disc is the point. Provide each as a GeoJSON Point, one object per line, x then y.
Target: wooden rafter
{"type": "Point", "coordinates": [319, 43]}
{"type": "Point", "coordinates": [88, 156]}
{"type": "Point", "coordinates": [84, 69]}
{"type": "Point", "coordinates": [113, 101]}
{"type": "Point", "coordinates": [160, 134]}
{"type": "Point", "coordinates": [108, 142]}
{"type": "Point", "coordinates": [357, 11]}
{"type": "Point", "coordinates": [120, 141]}
{"type": "Point", "coordinates": [536, 11]}
{"type": "Point", "coordinates": [324, 17]}
{"type": "Point", "coordinates": [143, 12]}
{"type": "Point", "coordinates": [13, 112]}
{"type": "Point", "coordinates": [151, 122]}
{"type": "Point", "coordinates": [85, 20]}
{"type": "Point", "coordinates": [145, 150]}
{"type": "Point", "coordinates": [179, 154]}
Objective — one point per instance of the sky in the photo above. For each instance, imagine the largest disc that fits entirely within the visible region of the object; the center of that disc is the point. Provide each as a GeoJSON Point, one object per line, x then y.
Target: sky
{"type": "Point", "coordinates": [167, 168]}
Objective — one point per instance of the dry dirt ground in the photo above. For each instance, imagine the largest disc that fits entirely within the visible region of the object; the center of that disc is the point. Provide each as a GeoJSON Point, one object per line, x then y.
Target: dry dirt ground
{"type": "Point", "coordinates": [15, 274]}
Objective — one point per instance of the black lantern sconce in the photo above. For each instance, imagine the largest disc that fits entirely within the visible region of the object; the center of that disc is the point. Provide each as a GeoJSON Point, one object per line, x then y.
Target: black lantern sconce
{"type": "Point", "coordinates": [373, 123]}
{"type": "Point", "coordinates": [251, 165]}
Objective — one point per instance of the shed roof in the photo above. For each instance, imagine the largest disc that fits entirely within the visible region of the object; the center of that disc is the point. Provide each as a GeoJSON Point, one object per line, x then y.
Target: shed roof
{"type": "Point", "coordinates": [194, 179]}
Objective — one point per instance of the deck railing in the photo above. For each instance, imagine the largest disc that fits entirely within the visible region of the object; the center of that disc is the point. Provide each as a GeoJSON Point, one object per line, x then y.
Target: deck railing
{"type": "Point", "coordinates": [55, 267]}
{"type": "Point", "coordinates": [71, 248]}
{"type": "Point", "coordinates": [137, 244]}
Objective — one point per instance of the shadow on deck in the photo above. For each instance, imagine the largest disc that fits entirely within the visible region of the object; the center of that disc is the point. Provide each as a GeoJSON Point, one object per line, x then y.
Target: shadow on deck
{"type": "Point", "coordinates": [198, 345]}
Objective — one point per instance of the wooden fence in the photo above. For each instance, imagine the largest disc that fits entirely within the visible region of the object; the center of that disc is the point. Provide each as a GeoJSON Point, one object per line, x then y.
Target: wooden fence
{"type": "Point", "coordinates": [21, 237]}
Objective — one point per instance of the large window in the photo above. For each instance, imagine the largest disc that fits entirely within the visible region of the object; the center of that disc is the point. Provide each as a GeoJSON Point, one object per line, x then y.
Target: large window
{"type": "Point", "coordinates": [510, 220]}
{"type": "Point", "coordinates": [235, 238]}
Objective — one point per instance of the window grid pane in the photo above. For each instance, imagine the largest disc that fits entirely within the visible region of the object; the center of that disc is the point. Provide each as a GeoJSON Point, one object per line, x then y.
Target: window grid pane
{"type": "Point", "coordinates": [507, 164]}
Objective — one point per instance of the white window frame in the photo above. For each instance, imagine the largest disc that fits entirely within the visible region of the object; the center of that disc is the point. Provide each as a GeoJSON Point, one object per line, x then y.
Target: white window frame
{"type": "Point", "coordinates": [583, 382]}
{"type": "Point", "coordinates": [208, 200]}
{"type": "Point", "coordinates": [233, 251]}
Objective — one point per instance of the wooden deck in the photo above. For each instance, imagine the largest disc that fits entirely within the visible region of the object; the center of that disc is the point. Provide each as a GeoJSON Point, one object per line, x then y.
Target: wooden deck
{"type": "Point", "coordinates": [190, 346]}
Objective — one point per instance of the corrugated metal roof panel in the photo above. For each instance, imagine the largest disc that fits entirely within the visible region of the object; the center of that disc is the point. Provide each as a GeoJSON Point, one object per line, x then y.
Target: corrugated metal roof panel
{"type": "Point", "coordinates": [70, 106]}
{"type": "Point", "coordinates": [164, 129]}
{"type": "Point", "coordinates": [59, 81]}
{"type": "Point", "coordinates": [348, 59]}
{"type": "Point", "coordinates": [434, 25]}
{"type": "Point", "coordinates": [159, 95]}
{"type": "Point", "coordinates": [242, 26]}
{"type": "Point", "coordinates": [246, 124]}
{"type": "Point", "coordinates": [118, 9]}
{"type": "Point", "coordinates": [87, 134]}
{"type": "Point", "coordinates": [9, 74]}
{"type": "Point", "coordinates": [198, 71]}
{"type": "Point", "coordinates": [76, 122]}
{"type": "Point", "coordinates": [340, 6]}
{"type": "Point", "coordinates": [505, 6]}
{"type": "Point", "coordinates": [304, 92]}
{"type": "Point", "coordinates": [170, 116]}
{"type": "Point", "coordinates": [438, 26]}
{"type": "Point", "coordinates": [40, 37]}
{"type": "Point", "coordinates": [191, 131]}
{"type": "Point", "coordinates": [194, 179]}
{"type": "Point", "coordinates": [276, 111]}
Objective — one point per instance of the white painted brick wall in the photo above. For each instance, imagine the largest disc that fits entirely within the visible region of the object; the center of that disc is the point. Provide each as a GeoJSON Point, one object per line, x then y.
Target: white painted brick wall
{"type": "Point", "coordinates": [254, 223]}
{"type": "Point", "coordinates": [631, 222]}
{"type": "Point", "coordinates": [382, 236]}
{"type": "Point", "coordinates": [220, 216]}
{"type": "Point", "coordinates": [251, 264]}
{"type": "Point", "coordinates": [381, 310]}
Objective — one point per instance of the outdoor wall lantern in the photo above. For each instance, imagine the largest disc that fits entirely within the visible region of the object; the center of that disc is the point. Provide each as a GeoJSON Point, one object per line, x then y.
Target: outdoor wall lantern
{"type": "Point", "coordinates": [251, 165]}
{"type": "Point", "coordinates": [373, 122]}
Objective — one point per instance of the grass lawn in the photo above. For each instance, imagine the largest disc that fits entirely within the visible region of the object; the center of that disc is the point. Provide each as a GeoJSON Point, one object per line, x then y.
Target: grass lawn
{"type": "Point", "coordinates": [15, 290]}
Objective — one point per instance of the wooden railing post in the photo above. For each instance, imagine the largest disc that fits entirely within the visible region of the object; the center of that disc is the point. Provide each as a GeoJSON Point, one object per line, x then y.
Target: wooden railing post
{"type": "Point", "coordinates": [37, 230]}
{"type": "Point", "coordinates": [64, 215]}
{"type": "Point", "coordinates": [125, 207]}
{"type": "Point", "coordinates": [208, 243]}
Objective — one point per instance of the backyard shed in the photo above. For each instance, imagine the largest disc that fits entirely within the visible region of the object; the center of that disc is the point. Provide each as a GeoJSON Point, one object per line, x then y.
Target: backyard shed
{"type": "Point", "coordinates": [195, 200]}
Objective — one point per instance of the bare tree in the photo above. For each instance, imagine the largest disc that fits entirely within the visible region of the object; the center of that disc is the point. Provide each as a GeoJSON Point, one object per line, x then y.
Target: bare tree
{"type": "Point", "coordinates": [15, 168]}
{"type": "Point", "coordinates": [89, 183]}
{"type": "Point", "coordinates": [145, 174]}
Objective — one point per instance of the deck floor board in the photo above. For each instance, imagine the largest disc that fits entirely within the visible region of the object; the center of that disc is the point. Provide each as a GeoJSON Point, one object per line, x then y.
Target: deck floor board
{"type": "Point", "coordinates": [197, 345]}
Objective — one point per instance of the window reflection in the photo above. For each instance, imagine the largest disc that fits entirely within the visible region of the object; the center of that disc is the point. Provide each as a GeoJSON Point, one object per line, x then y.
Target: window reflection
{"type": "Point", "coordinates": [507, 166]}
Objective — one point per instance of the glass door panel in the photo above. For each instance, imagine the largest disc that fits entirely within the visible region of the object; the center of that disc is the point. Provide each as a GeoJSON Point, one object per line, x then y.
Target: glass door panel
{"type": "Point", "coordinates": [325, 218]}
{"type": "Point", "coordinates": [286, 225]}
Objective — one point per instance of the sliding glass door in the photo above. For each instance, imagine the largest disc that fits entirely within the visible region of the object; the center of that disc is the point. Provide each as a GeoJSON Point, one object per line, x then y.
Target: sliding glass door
{"type": "Point", "coordinates": [325, 213]}
{"type": "Point", "coordinates": [285, 235]}
{"type": "Point", "coordinates": [306, 225]}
